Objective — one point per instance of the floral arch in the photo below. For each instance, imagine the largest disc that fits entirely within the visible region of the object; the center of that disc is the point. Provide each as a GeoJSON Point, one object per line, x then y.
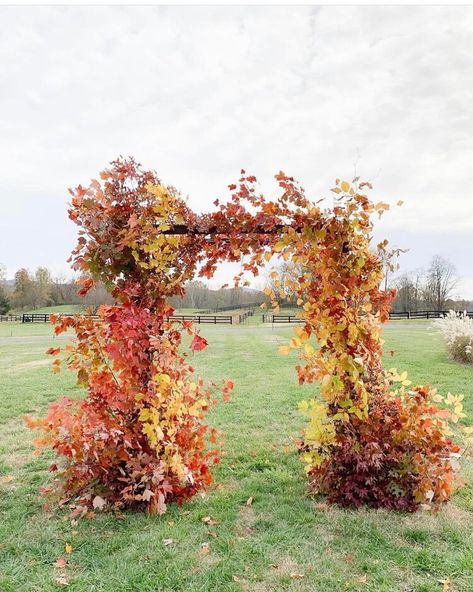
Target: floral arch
{"type": "Point", "coordinates": [139, 437]}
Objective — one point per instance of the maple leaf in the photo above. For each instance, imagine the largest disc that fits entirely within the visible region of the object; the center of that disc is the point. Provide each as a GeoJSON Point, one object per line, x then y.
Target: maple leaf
{"type": "Point", "coordinates": [53, 351]}
{"type": "Point", "coordinates": [68, 548]}
{"type": "Point", "coordinates": [99, 503]}
{"type": "Point", "coordinates": [60, 562]}
{"type": "Point", "coordinates": [198, 343]}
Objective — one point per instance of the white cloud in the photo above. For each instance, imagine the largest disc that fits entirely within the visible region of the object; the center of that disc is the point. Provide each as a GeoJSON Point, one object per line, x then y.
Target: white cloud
{"type": "Point", "coordinates": [198, 93]}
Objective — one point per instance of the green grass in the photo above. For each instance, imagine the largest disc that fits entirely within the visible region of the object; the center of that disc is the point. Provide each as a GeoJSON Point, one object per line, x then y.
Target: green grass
{"type": "Point", "coordinates": [262, 547]}
{"type": "Point", "coordinates": [60, 308]}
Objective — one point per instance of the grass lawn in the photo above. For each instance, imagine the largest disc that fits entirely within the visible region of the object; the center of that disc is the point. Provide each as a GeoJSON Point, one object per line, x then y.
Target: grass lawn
{"type": "Point", "coordinates": [59, 309]}
{"type": "Point", "coordinates": [284, 541]}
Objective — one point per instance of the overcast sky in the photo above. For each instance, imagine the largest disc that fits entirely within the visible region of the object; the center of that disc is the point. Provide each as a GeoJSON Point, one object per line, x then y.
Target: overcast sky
{"type": "Point", "coordinates": [198, 93]}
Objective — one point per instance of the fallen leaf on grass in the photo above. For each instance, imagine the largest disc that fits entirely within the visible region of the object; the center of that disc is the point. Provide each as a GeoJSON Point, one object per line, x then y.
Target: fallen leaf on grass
{"type": "Point", "coordinates": [167, 542]}
{"type": "Point", "coordinates": [320, 506]}
{"type": "Point", "coordinates": [61, 562]}
{"type": "Point", "coordinates": [249, 501]}
{"type": "Point", "coordinates": [204, 549]}
{"type": "Point", "coordinates": [62, 581]}
{"type": "Point", "coordinates": [212, 533]}
{"type": "Point", "coordinates": [296, 576]}
{"type": "Point", "coordinates": [68, 548]}
{"type": "Point", "coordinates": [99, 503]}
{"type": "Point", "coordinates": [7, 478]}
{"type": "Point", "coordinates": [235, 578]}
{"type": "Point", "coordinates": [209, 521]}
{"type": "Point", "coordinates": [362, 579]}
{"type": "Point", "coordinates": [446, 584]}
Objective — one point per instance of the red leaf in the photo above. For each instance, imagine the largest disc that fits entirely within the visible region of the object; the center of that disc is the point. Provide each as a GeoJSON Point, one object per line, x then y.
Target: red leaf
{"type": "Point", "coordinates": [198, 343]}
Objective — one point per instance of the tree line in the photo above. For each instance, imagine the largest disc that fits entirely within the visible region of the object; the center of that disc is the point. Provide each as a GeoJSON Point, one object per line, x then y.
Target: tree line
{"type": "Point", "coordinates": [432, 288]}
{"type": "Point", "coordinates": [38, 289]}
{"type": "Point", "coordinates": [421, 289]}
{"type": "Point", "coordinates": [33, 290]}
{"type": "Point", "coordinates": [200, 296]}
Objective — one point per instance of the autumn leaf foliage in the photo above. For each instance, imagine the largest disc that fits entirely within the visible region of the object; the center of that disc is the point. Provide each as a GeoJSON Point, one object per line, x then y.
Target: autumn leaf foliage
{"type": "Point", "coordinates": [139, 437]}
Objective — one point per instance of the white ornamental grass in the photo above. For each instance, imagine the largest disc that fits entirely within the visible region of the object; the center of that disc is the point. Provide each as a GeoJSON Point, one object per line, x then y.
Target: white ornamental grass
{"type": "Point", "coordinates": [457, 330]}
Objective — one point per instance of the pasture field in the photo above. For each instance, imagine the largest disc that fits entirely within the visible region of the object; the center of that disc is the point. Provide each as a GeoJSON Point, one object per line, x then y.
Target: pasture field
{"type": "Point", "coordinates": [59, 309]}
{"type": "Point", "coordinates": [285, 540]}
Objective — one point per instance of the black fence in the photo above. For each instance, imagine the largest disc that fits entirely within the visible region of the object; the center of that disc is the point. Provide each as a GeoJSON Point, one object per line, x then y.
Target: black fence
{"type": "Point", "coordinates": [46, 318]}
{"type": "Point", "coordinates": [425, 314]}
{"type": "Point", "coordinates": [417, 314]}
{"type": "Point", "coordinates": [274, 318]}
{"type": "Point", "coordinates": [245, 315]}
{"type": "Point", "coordinates": [250, 306]}
{"type": "Point", "coordinates": [10, 318]}
{"type": "Point", "coordinates": [214, 319]}
{"type": "Point", "coordinates": [199, 319]}
{"type": "Point", "coordinates": [205, 319]}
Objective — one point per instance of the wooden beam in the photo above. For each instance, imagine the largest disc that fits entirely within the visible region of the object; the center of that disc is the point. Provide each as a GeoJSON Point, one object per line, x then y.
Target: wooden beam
{"type": "Point", "coordinates": [215, 230]}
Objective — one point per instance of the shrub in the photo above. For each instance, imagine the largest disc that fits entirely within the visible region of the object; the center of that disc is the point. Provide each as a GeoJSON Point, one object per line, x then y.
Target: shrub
{"type": "Point", "coordinates": [399, 457]}
{"type": "Point", "coordinates": [457, 330]}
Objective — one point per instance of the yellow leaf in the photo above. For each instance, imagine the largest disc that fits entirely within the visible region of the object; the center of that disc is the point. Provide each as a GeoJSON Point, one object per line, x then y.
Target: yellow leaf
{"type": "Point", "coordinates": [303, 406]}
{"type": "Point", "coordinates": [278, 247]}
{"type": "Point", "coordinates": [68, 548]}
{"type": "Point", "coordinates": [345, 186]}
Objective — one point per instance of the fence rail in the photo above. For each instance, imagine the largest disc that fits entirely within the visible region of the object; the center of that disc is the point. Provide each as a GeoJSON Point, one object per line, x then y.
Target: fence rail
{"type": "Point", "coordinates": [417, 314]}
{"type": "Point", "coordinates": [199, 319]}
{"type": "Point", "coordinates": [232, 319]}
{"type": "Point", "coordinates": [10, 318]}
{"type": "Point", "coordinates": [205, 319]}
{"type": "Point", "coordinates": [250, 306]}
{"type": "Point", "coordinates": [425, 314]}
{"type": "Point", "coordinates": [46, 318]}
{"type": "Point", "coordinates": [273, 318]}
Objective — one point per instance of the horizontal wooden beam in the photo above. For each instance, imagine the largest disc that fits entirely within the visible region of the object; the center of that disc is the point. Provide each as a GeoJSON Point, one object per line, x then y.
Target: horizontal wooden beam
{"type": "Point", "coordinates": [183, 229]}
